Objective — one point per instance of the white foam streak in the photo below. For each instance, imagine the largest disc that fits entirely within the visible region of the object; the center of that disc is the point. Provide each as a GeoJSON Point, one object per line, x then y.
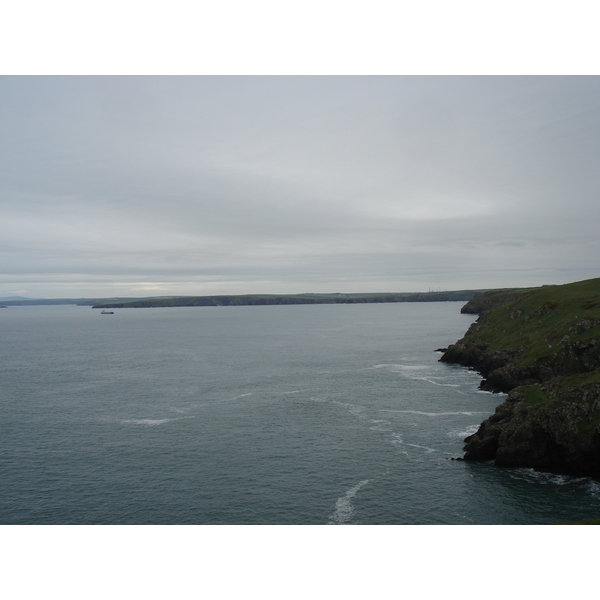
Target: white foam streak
{"type": "Point", "coordinates": [241, 396]}
{"type": "Point", "coordinates": [380, 425]}
{"type": "Point", "coordinates": [401, 368]}
{"type": "Point", "coordinates": [432, 414]}
{"type": "Point", "coordinates": [464, 432]}
{"type": "Point", "coordinates": [353, 409]}
{"type": "Point", "coordinates": [343, 506]}
{"type": "Point", "coordinates": [594, 488]}
{"type": "Point", "coordinates": [151, 422]}
{"type": "Point", "coordinates": [429, 450]}
{"type": "Point", "coordinates": [430, 380]}
{"type": "Point", "coordinates": [398, 442]}
{"type": "Point", "coordinates": [229, 399]}
{"type": "Point", "coordinates": [415, 372]}
{"type": "Point", "coordinates": [543, 477]}
{"type": "Point", "coordinates": [397, 439]}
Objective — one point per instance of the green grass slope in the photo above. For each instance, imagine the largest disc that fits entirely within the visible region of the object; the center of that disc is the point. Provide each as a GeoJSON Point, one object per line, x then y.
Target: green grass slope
{"type": "Point", "coordinates": [492, 299]}
{"type": "Point", "coordinates": [538, 322]}
{"type": "Point", "coordinates": [543, 333]}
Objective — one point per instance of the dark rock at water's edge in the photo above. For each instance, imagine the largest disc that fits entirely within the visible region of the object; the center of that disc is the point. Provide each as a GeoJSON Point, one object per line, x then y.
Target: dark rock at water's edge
{"type": "Point", "coordinates": [542, 348]}
{"type": "Point", "coordinates": [499, 375]}
{"type": "Point", "coordinates": [548, 428]}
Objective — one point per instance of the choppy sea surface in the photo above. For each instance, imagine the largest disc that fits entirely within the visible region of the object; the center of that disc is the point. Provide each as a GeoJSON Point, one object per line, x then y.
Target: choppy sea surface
{"type": "Point", "coordinates": [319, 414]}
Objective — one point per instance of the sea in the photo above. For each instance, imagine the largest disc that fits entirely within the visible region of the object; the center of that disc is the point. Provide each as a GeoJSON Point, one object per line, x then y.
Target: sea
{"type": "Point", "coordinates": [254, 415]}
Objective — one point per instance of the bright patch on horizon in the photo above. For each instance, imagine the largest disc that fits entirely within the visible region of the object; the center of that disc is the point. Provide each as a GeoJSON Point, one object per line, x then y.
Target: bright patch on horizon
{"type": "Point", "coordinates": [440, 208]}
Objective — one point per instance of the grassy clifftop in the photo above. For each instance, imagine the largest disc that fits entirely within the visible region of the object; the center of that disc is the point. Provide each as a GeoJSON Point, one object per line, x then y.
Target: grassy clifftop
{"type": "Point", "coordinates": [492, 299]}
{"type": "Point", "coordinates": [542, 334]}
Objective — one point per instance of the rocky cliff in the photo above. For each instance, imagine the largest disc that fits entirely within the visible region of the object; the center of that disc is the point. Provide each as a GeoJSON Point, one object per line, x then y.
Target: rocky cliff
{"type": "Point", "coordinates": [543, 349]}
{"type": "Point", "coordinates": [550, 427]}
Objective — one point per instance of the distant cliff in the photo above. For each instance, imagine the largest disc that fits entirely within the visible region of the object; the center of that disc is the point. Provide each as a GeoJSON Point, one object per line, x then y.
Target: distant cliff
{"type": "Point", "coordinates": [543, 348]}
{"type": "Point", "coordinates": [492, 299]}
{"type": "Point", "coordinates": [271, 299]}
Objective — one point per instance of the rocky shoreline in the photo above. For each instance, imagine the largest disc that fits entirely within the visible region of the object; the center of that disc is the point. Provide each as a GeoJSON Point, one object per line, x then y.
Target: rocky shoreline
{"type": "Point", "coordinates": [542, 348]}
{"type": "Point", "coordinates": [563, 436]}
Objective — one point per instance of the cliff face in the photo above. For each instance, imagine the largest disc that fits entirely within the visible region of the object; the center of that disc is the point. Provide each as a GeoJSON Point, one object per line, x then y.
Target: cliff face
{"type": "Point", "coordinates": [543, 349]}
{"type": "Point", "coordinates": [544, 427]}
{"type": "Point", "coordinates": [491, 299]}
{"type": "Point", "coordinates": [506, 368]}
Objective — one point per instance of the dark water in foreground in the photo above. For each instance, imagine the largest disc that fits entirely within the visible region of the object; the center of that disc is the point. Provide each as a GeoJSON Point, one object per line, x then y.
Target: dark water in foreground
{"type": "Point", "coordinates": [320, 414]}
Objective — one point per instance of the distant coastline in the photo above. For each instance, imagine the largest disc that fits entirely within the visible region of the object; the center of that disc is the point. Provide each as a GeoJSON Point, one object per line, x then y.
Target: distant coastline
{"type": "Point", "coordinates": [267, 299]}
{"type": "Point", "coordinates": [277, 299]}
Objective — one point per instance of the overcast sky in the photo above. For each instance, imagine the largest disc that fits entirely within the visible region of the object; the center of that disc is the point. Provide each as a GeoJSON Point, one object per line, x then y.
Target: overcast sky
{"type": "Point", "coordinates": [139, 186]}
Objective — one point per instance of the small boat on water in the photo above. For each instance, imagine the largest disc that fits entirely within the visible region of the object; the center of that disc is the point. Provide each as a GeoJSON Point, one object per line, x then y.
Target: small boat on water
{"type": "Point", "coordinates": [107, 312]}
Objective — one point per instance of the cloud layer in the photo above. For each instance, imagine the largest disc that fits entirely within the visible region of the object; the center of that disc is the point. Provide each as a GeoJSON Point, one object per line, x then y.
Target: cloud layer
{"type": "Point", "coordinates": [202, 185]}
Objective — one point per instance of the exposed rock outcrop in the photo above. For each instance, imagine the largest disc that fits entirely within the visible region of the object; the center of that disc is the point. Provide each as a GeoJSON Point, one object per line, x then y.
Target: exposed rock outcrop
{"type": "Point", "coordinates": [543, 427]}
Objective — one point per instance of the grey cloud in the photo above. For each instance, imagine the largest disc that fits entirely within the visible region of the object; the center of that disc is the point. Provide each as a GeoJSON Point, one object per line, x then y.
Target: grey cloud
{"type": "Point", "coordinates": [249, 183]}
